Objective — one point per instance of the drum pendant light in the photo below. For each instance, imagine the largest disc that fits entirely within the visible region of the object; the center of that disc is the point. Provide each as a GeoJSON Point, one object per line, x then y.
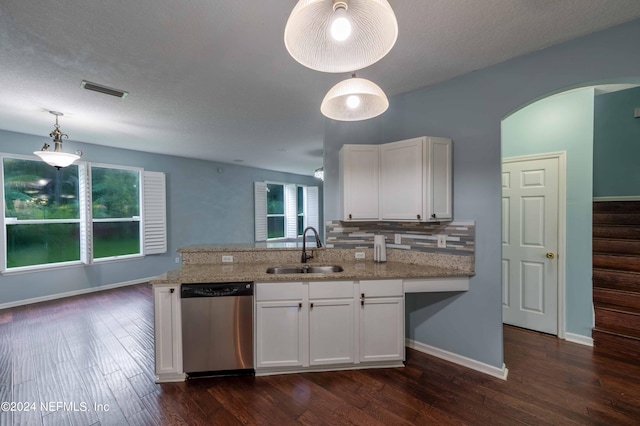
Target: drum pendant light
{"type": "Point", "coordinates": [340, 35]}
{"type": "Point", "coordinates": [354, 99]}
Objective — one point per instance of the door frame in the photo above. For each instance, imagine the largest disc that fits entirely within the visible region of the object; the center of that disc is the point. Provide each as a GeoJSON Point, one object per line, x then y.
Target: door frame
{"type": "Point", "coordinates": [561, 257]}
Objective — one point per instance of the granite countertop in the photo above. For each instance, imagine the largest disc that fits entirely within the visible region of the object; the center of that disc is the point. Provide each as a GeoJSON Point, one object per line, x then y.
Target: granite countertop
{"type": "Point", "coordinates": [212, 273]}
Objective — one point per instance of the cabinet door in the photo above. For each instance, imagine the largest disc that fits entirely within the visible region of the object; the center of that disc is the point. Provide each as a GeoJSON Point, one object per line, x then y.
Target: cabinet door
{"type": "Point", "coordinates": [381, 329]}
{"type": "Point", "coordinates": [279, 334]}
{"type": "Point", "coordinates": [439, 184]}
{"type": "Point", "coordinates": [401, 180]}
{"type": "Point", "coordinates": [168, 333]}
{"type": "Point", "coordinates": [331, 332]}
{"type": "Point", "coordinates": [359, 182]}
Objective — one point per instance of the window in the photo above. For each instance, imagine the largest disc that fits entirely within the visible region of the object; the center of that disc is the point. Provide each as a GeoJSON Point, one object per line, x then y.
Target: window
{"type": "Point", "coordinates": [300, 203]}
{"type": "Point", "coordinates": [41, 213]}
{"type": "Point", "coordinates": [115, 207]}
{"type": "Point", "coordinates": [79, 214]}
{"type": "Point", "coordinates": [284, 210]}
{"type": "Point", "coordinates": [275, 211]}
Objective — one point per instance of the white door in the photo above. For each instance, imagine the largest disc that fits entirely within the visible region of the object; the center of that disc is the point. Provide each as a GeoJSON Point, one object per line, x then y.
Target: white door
{"type": "Point", "coordinates": [381, 329]}
{"type": "Point", "coordinates": [331, 332]}
{"type": "Point", "coordinates": [401, 188]}
{"type": "Point", "coordinates": [439, 184]}
{"type": "Point", "coordinates": [279, 334]}
{"type": "Point", "coordinates": [530, 243]}
{"type": "Point", "coordinates": [359, 181]}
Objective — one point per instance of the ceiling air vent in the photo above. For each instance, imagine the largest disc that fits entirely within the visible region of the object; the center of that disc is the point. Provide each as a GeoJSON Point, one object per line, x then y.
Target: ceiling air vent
{"type": "Point", "coordinates": [104, 89]}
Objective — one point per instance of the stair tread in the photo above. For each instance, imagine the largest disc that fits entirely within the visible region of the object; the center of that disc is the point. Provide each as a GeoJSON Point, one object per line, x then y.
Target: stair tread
{"type": "Point", "coordinates": [612, 333]}
{"type": "Point", "coordinates": [617, 272]}
{"type": "Point", "coordinates": [616, 308]}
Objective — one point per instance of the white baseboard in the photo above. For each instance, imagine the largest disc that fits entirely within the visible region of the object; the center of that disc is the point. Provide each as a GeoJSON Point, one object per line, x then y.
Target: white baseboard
{"type": "Point", "coordinates": [73, 293]}
{"type": "Point", "coordinates": [618, 198]}
{"type": "Point", "coordinates": [578, 338]}
{"type": "Point", "coordinates": [500, 373]}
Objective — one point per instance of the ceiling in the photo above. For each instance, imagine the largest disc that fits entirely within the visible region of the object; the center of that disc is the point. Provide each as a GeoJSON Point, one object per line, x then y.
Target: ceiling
{"type": "Point", "coordinates": [211, 79]}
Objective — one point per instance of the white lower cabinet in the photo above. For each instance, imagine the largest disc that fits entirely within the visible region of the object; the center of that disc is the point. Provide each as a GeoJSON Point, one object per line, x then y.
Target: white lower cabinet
{"type": "Point", "coordinates": [381, 321]}
{"type": "Point", "coordinates": [167, 333]}
{"type": "Point", "coordinates": [331, 328]}
{"type": "Point", "coordinates": [280, 328]}
{"type": "Point", "coordinates": [328, 323]}
{"type": "Point", "coordinates": [279, 334]}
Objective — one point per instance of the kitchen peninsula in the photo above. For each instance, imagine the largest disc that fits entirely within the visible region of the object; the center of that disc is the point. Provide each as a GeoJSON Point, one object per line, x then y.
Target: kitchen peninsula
{"type": "Point", "coordinates": [309, 321]}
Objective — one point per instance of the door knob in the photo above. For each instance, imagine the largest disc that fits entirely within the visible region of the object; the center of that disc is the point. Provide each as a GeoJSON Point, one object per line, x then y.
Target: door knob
{"type": "Point", "coordinates": [550, 255]}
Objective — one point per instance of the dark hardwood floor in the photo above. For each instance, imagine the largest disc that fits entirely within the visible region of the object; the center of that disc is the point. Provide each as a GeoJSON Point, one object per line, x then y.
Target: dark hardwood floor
{"type": "Point", "coordinates": [88, 360]}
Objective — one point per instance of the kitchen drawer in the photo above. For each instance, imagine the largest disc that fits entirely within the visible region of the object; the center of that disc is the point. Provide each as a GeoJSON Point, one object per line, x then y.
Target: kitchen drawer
{"type": "Point", "coordinates": [279, 291]}
{"type": "Point", "coordinates": [381, 288]}
{"type": "Point", "coordinates": [330, 289]}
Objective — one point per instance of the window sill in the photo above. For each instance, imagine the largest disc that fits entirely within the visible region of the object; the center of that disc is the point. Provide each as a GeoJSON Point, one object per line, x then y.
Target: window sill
{"type": "Point", "coordinates": [41, 268]}
{"type": "Point", "coordinates": [56, 266]}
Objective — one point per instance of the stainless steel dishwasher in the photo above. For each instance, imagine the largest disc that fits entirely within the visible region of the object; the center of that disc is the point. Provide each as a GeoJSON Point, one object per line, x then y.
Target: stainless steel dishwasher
{"type": "Point", "coordinates": [217, 328]}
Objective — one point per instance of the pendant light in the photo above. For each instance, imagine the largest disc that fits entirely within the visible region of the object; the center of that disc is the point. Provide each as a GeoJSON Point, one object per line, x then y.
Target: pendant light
{"type": "Point", "coordinates": [57, 158]}
{"type": "Point", "coordinates": [354, 99]}
{"type": "Point", "coordinates": [340, 35]}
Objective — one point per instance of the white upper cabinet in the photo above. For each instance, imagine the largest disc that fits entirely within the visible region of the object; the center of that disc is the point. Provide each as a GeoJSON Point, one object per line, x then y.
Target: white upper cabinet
{"type": "Point", "coordinates": [359, 182]}
{"type": "Point", "coordinates": [439, 182]}
{"type": "Point", "coordinates": [401, 180]}
{"type": "Point", "coordinates": [408, 180]}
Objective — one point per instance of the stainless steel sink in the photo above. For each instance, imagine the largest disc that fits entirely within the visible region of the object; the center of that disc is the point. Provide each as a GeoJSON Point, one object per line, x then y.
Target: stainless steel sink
{"type": "Point", "coordinates": [305, 269]}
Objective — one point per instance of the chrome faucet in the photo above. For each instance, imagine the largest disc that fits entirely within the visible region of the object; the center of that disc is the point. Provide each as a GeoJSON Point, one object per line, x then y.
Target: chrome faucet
{"type": "Point", "coordinates": [306, 256]}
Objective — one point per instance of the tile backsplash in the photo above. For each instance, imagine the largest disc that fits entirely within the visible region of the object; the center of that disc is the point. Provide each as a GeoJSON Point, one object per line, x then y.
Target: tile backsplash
{"type": "Point", "coordinates": [460, 235]}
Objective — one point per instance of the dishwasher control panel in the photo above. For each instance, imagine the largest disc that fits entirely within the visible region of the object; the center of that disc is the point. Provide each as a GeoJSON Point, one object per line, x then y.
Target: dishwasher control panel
{"type": "Point", "coordinates": [217, 289]}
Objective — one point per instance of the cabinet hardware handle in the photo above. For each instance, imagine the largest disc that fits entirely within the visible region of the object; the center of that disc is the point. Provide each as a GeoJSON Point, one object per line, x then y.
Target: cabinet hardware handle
{"type": "Point", "coordinates": [172, 290]}
{"type": "Point", "coordinates": [361, 302]}
{"type": "Point", "coordinates": [300, 305]}
{"type": "Point", "coordinates": [418, 216]}
{"type": "Point", "coordinates": [362, 295]}
{"type": "Point", "coordinates": [311, 305]}
{"type": "Point", "coordinates": [349, 215]}
{"type": "Point", "coordinates": [433, 215]}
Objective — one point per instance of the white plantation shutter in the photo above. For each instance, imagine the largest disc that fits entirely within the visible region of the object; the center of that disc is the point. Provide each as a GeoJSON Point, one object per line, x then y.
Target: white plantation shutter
{"type": "Point", "coordinates": [291, 210]}
{"type": "Point", "coordinates": [311, 215]}
{"type": "Point", "coordinates": [260, 207]}
{"type": "Point", "coordinates": [86, 227]}
{"type": "Point", "coordinates": [154, 213]}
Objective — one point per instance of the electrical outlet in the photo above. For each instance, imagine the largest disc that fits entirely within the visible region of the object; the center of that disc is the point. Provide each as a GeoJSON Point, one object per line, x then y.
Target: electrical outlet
{"type": "Point", "coordinates": [442, 241]}
{"type": "Point", "coordinates": [177, 259]}
{"type": "Point", "coordinates": [636, 113]}
{"type": "Point", "coordinates": [359, 255]}
{"type": "Point", "coordinates": [397, 239]}
{"type": "Point", "coordinates": [227, 259]}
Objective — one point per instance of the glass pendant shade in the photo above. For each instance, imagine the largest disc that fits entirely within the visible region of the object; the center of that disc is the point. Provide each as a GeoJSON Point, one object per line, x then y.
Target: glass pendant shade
{"type": "Point", "coordinates": [57, 159]}
{"type": "Point", "coordinates": [308, 33]}
{"type": "Point", "coordinates": [354, 99]}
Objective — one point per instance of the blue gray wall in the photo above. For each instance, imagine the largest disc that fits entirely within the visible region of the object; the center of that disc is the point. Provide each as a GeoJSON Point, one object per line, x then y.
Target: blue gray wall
{"type": "Point", "coordinates": [207, 202]}
{"type": "Point", "coordinates": [564, 122]}
{"type": "Point", "coordinates": [616, 145]}
{"type": "Point", "coordinates": [470, 109]}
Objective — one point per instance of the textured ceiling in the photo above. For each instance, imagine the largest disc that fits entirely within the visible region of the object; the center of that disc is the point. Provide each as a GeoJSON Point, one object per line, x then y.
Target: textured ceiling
{"type": "Point", "coordinates": [211, 79]}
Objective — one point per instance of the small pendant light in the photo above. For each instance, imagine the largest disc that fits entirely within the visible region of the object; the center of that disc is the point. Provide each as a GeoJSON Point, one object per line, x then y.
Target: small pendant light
{"type": "Point", "coordinates": [354, 99]}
